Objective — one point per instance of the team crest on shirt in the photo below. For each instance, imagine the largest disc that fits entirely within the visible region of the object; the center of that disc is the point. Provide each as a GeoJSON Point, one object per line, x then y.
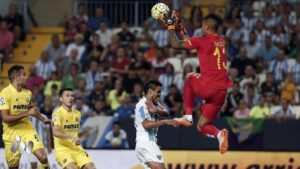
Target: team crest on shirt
{"type": "Point", "coordinates": [54, 117]}
{"type": "Point", "coordinates": [159, 157]}
{"type": "Point", "coordinates": [76, 119]}
{"type": "Point", "coordinates": [65, 160]}
{"type": "Point", "coordinates": [2, 101]}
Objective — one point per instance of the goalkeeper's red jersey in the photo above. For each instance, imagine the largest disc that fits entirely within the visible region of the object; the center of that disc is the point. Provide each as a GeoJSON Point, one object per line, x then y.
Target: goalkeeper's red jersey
{"type": "Point", "coordinates": [212, 59]}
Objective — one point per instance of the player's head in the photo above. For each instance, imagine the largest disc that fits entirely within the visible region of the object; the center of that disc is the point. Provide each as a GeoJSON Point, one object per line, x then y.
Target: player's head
{"type": "Point", "coordinates": [152, 89]}
{"type": "Point", "coordinates": [16, 74]}
{"type": "Point", "coordinates": [66, 97]}
{"type": "Point", "coordinates": [211, 24]}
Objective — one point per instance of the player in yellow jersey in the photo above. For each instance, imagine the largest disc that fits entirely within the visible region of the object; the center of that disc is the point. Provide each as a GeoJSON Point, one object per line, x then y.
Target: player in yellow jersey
{"type": "Point", "coordinates": [68, 151]}
{"type": "Point", "coordinates": [15, 109]}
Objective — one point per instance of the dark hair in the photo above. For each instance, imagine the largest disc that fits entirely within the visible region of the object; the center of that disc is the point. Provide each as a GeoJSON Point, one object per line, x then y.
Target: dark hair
{"type": "Point", "coordinates": [54, 86]}
{"type": "Point", "coordinates": [152, 84]}
{"type": "Point", "coordinates": [214, 21]}
{"type": "Point", "coordinates": [13, 70]}
{"type": "Point", "coordinates": [117, 123]}
{"type": "Point", "coordinates": [61, 92]}
{"type": "Point", "coordinates": [54, 36]}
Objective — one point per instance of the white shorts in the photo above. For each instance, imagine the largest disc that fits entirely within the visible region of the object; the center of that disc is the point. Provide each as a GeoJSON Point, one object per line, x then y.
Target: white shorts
{"type": "Point", "coordinates": [148, 151]}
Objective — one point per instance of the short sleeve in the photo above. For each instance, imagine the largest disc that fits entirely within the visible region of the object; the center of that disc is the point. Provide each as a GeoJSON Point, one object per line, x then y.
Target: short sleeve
{"type": "Point", "coordinates": [4, 101]}
{"type": "Point", "coordinates": [193, 43]}
{"type": "Point", "coordinates": [144, 113]}
{"type": "Point", "coordinates": [56, 118]}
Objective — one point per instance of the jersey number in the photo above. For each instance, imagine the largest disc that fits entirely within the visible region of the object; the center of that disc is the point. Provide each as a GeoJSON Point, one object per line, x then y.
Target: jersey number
{"type": "Point", "coordinates": [218, 55]}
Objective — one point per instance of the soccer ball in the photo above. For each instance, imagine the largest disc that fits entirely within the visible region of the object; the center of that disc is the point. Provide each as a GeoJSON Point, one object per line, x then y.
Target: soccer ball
{"type": "Point", "coordinates": [159, 10]}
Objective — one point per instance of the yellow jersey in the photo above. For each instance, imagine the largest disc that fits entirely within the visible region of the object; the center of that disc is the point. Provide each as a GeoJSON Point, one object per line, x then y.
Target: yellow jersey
{"type": "Point", "coordinates": [16, 103]}
{"type": "Point", "coordinates": [69, 123]}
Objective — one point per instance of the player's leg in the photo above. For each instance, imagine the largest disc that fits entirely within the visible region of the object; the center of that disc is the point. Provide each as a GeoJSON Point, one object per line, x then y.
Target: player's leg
{"type": "Point", "coordinates": [71, 166]}
{"type": "Point", "coordinates": [41, 155]}
{"type": "Point", "coordinates": [209, 112]}
{"type": "Point", "coordinates": [12, 158]}
{"type": "Point", "coordinates": [89, 165]}
{"type": "Point", "coordinates": [83, 160]}
{"type": "Point", "coordinates": [188, 97]}
{"type": "Point", "coordinates": [154, 165]}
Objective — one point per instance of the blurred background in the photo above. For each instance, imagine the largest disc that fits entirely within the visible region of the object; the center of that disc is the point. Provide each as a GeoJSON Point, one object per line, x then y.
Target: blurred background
{"type": "Point", "coordinates": [106, 50]}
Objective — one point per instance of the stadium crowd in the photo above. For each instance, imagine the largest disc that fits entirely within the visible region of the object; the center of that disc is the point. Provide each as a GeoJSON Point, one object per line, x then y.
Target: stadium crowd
{"type": "Point", "coordinates": [107, 66]}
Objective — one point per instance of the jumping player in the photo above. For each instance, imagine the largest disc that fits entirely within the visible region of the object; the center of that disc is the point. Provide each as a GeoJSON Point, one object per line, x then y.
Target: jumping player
{"type": "Point", "coordinates": [212, 83]}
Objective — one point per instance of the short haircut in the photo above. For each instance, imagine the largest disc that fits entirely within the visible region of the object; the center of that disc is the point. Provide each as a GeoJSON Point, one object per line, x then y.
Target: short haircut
{"type": "Point", "coordinates": [213, 21]}
{"type": "Point", "coordinates": [152, 84]}
{"type": "Point", "coordinates": [61, 92]}
{"type": "Point", "coordinates": [14, 70]}
{"type": "Point", "coordinates": [117, 123]}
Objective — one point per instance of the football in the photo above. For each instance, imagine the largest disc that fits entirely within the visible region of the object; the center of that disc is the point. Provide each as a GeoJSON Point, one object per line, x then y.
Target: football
{"type": "Point", "coordinates": [159, 10]}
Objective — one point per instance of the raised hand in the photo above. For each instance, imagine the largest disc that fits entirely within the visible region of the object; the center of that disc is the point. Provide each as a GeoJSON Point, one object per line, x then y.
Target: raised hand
{"type": "Point", "coordinates": [151, 107]}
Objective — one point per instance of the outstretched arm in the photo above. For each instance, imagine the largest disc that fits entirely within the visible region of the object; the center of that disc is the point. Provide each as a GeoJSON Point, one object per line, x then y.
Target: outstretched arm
{"type": "Point", "coordinates": [175, 42]}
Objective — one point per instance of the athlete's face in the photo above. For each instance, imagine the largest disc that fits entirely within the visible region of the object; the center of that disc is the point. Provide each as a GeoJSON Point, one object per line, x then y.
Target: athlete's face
{"type": "Point", "coordinates": [22, 77]}
{"type": "Point", "coordinates": [156, 94]}
{"type": "Point", "coordinates": [67, 98]}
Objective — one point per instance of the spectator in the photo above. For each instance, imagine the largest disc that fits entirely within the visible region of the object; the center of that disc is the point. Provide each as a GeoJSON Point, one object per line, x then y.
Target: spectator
{"type": "Point", "coordinates": [80, 90]}
{"type": "Point", "coordinates": [94, 50]}
{"type": "Point", "coordinates": [279, 67]}
{"type": "Point", "coordinates": [116, 138]}
{"type": "Point", "coordinates": [250, 78]}
{"type": "Point", "coordinates": [145, 36]}
{"type": "Point", "coordinates": [137, 93]}
{"type": "Point", "coordinates": [81, 16]}
{"type": "Point", "coordinates": [98, 93]}
{"type": "Point", "coordinates": [100, 108]}
{"type": "Point", "coordinates": [70, 32]}
{"type": "Point", "coordinates": [151, 52]}
{"type": "Point", "coordinates": [6, 40]}
{"type": "Point", "coordinates": [56, 50]}
{"type": "Point", "coordinates": [243, 111]}
{"type": "Point", "coordinates": [71, 79]}
{"type": "Point", "coordinates": [249, 20]}
{"type": "Point", "coordinates": [269, 89]}
{"type": "Point", "coordinates": [174, 101]}
{"type": "Point", "coordinates": [130, 80]}
{"type": "Point", "coordinates": [160, 62]}
{"type": "Point", "coordinates": [111, 51]}
{"type": "Point", "coordinates": [78, 44]}
{"type": "Point", "coordinates": [92, 76]}
{"type": "Point", "coordinates": [98, 19]}
{"type": "Point", "coordinates": [196, 17]}
{"type": "Point", "coordinates": [105, 34]}
{"type": "Point", "coordinates": [120, 65]}
{"type": "Point", "coordinates": [236, 33]}
{"type": "Point", "coordinates": [261, 110]}
{"type": "Point", "coordinates": [116, 95]}
{"type": "Point", "coordinates": [34, 79]}
{"type": "Point", "coordinates": [83, 108]}
{"type": "Point", "coordinates": [15, 23]}
{"type": "Point", "coordinates": [65, 65]}
{"type": "Point", "coordinates": [252, 46]}
{"type": "Point", "coordinates": [285, 111]}
{"type": "Point", "coordinates": [242, 61]}
{"type": "Point", "coordinates": [288, 88]}
{"type": "Point", "coordinates": [234, 13]}
{"type": "Point", "coordinates": [295, 70]}
{"type": "Point", "coordinates": [45, 66]}
{"type": "Point", "coordinates": [161, 36]}
{"type": "Point", "coordinates": [141, 66]}
{"type": "Point", "coordinates": [233, 99]}
{"type": "Point", "coordinates": [126, 109]}
{"type": "Point", "coordinates": [231, 50]}
{"type": "Point", "coordinates": [233, 74]}
{"type": "Point", "coordinates": [261, 33]}
{"type": "Point", "coordinates": [37, 94]}
{"type": "Point", "coordinates": [84, 30]}
{"type": "Point", "coordinates": [125, 36]}
{"type": "Point", "coordinates": [54, 94]}
{"type": "Point", "coordinates": [268, 51]}
{"type": "Point", "coordinates": [54, 79]}
{"type": "Point", "coordinates": [268, 17]}
{"type": "Point", "coordinates": [280, 37]}
{"type": "Point", "coordinates": [169, 78]}
{"type": "Point", "coordinates": [47, 107]}
{"type": "Point", "coordinates": [251, 96]}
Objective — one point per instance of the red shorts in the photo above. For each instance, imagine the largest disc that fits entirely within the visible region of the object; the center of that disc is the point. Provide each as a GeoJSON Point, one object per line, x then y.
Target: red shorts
{"type": "Point", "coordinates": [214, 98]}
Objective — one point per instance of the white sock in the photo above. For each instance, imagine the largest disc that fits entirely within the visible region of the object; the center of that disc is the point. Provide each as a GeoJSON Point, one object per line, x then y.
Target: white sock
{"type": "Point", "coordinates": [219, 136]}
{"type": "Point", "coordinates": [189, 117]}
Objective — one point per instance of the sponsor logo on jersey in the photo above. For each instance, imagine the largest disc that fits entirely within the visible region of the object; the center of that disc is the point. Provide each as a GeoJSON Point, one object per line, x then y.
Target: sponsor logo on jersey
{"type": "Point", "coordinates": [22, 106]}
{"type": "Point", "coordinates": [71, 126]}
